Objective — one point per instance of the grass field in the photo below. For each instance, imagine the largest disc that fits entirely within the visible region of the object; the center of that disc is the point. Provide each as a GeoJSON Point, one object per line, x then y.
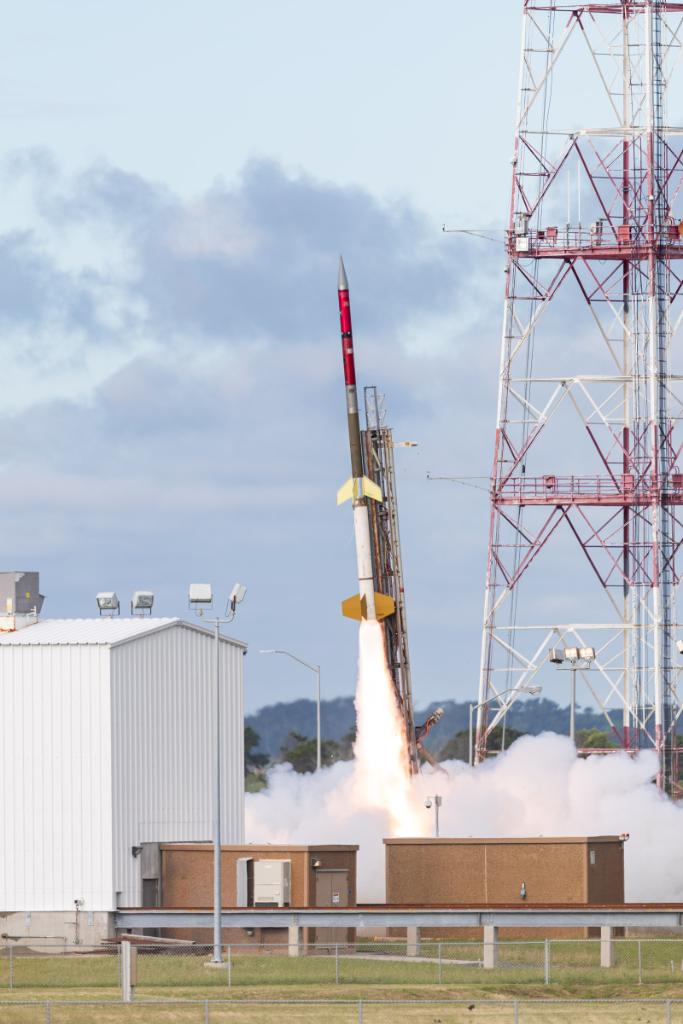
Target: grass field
{"type": "Point", "coordinates": [488, 1009]}
{"type": "Point", "coordinates": [575, 975]}
{"type": "Point", "coordinates": [574, 964]}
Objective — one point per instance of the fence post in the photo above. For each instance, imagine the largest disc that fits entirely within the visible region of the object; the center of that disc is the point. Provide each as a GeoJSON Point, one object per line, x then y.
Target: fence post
{"type": "Point", "coordinates": [206, 1011]}
{"type": "Point", "coordinates": [336, 963]}
{"type": "Point", "coordinates": [490, 946]}
{"type": "Point", "coordinates": [606, 946]}
{"type": "Point", "coordinates": [11, 968]}
{"type": "Point", "coordinates": [360, 1011]}
{"type": "Point", "coordinates": [294, 940]}
{"type": "Point", "coordinates": [546, 962]}
{"type": "Point", "coordinates": [440, 975]}
{"type": "Point", "coordinates": [668, 1011]}
{"type": "Point", "coordinates": [515, 1011]}
{"type": "Point", "coordinates": [48, 1012]}
{"type": "Point", "coordinates": [128, 971]}
{"type": "Point", "coordinates": [640, 962]}
{"type": "Point", "coordinates": [229, 963]}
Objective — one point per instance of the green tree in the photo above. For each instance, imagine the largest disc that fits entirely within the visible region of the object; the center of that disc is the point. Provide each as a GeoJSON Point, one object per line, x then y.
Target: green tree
{"type": "Point", "coordinates": [457, 748]}
{"type": "Point", "coordinates": [346, 745]}
{"type": "Point", "coordinates": [593, 739]}
{"type": "Point", "coordinates": [253, 760]}
{"type": "Point", "coordinates": [302, 752]}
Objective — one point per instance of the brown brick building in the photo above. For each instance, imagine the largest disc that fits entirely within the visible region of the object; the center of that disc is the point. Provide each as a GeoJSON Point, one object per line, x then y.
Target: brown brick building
{"type": "Point", "coordinates": [319, 876]}
{"type": "Point", "coordinates": [575, 870]}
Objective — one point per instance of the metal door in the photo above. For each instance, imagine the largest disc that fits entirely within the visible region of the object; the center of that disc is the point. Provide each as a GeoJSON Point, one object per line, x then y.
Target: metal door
{"type": "Point", "coordinates": [331, 890]}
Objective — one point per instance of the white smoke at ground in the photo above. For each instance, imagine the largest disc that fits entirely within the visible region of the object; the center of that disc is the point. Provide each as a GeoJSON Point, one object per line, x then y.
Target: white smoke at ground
{"type": "Point", "coordinates": [539, 787]}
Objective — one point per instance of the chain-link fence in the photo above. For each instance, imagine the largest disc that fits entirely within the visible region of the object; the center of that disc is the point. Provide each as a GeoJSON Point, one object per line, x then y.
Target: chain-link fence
{"type": "Point", "coordinates": [346, 1011]}
{"type": "Point", "coordinates": [53, 966]}
{"type": "Point", "coordinates": [169, 970]}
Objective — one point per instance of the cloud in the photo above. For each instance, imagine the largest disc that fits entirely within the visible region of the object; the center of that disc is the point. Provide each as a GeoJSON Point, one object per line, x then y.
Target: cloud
{"type": "Point", "coordinates": [191, 423]}
{"type": "Point", "coordinates": [260, 258]}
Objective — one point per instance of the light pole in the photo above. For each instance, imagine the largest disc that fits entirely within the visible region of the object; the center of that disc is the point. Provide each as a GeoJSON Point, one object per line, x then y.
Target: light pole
{"type": "Point", "coordinates": [475, 707]}
{"type": "Point", "coordinates": [200, 598]}
{"type": "Point", "coordinates": [574, 655]}
{"type": "Point", "coordinates": [437, 803]}
{"type": "Point", "coordinates": [316, 670]}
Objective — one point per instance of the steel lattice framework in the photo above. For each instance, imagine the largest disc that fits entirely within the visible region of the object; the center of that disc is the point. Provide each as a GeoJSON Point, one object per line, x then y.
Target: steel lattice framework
{"type": "Point", "coordinates": [378, 463]}
{"type": "Point", "coordinates": [588, 436]}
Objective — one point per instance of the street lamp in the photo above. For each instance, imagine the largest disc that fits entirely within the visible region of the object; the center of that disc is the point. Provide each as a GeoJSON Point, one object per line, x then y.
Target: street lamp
{"type": "Point", "coordinates": [316, 670]}
{"type": "Point", "coordinates": [437, 804]}
{"type": "Point", "coordinates": [200, 599]}
{"type": "Point", "coordinates": [534, 690]}
{"type": "Point", "coordinates": [574, 655]}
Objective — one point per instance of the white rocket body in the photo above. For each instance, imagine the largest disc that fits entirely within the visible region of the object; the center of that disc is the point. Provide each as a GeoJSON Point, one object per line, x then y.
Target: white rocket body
{"type": "Point", "coordinates": [366, 583]}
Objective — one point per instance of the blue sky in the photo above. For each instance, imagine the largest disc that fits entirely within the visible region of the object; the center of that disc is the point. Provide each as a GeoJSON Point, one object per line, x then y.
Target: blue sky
{"type": "Point", "coordinates": [178, 182]}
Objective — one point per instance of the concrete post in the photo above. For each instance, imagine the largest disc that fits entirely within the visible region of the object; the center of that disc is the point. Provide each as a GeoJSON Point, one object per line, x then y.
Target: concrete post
{"type": "Point", "coordinates": [294, 940]}
{"type": "Point", "coordinates": [606, 946]}
{"type": "Point", "coordinates": [412, 941]}
{"type": "Point", "coordinates": [129, 963]}
{"type": "Point", "coordinates": [490, 946]}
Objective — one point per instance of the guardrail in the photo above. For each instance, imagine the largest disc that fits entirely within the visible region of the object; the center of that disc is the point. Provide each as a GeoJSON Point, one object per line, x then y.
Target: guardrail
{"type": "Point", "coordinates": [628, 915]}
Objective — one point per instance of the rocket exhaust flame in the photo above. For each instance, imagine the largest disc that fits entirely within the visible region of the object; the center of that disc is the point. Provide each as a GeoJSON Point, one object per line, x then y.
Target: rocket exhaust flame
{"type": "Point", "coordinates": [382, 776]}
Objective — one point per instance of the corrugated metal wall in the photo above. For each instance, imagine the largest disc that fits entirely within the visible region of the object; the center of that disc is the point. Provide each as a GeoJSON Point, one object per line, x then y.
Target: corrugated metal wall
{"type": "Point", "coordinates": [162, 691]}
{"type": "Point", "coordinates": [55, 778]}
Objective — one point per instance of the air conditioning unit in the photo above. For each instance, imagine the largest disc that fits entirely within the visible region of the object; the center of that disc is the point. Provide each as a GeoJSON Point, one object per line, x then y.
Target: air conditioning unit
{"type": "Point", "coordinates": [272, 883]}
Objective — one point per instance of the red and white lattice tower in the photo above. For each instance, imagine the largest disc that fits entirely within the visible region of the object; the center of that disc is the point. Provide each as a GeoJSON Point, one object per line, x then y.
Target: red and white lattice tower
{"type": "Point", "coordinates": [586, 490]}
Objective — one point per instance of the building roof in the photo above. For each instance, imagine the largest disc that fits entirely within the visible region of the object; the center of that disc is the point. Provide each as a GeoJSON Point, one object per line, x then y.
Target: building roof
{"type": "Point", "coordinates": [512, 841]}
{"type": "Point", "coordinates": [263, 847]}
{"type": "Point", "coordinates": [107, 631]}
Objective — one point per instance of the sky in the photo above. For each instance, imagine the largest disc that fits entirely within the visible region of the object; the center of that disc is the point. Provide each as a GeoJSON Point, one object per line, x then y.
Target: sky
{"type": "Point", "coordinates": [178, 182]}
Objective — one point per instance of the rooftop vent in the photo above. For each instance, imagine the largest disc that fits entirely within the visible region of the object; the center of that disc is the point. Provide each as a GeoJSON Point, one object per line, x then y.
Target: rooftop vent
{"type": "Point", "coordinates": [20, 599]}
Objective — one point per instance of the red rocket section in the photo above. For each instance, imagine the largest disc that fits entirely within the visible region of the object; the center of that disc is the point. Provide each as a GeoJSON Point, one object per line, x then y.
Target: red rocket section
{"type": "Point", "coordinates": [347, 337]}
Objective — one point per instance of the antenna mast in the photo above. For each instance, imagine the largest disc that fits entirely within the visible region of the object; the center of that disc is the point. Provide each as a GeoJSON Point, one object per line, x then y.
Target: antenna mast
{"type": "Point", "coordinates": [585, 524]}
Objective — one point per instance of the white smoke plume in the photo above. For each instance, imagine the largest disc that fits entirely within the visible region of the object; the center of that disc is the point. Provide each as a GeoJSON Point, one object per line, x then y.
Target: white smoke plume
{"type": "Point", "coordinates": [539, 787]}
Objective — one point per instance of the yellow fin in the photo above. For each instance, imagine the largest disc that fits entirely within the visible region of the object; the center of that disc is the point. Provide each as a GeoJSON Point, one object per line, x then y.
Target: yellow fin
{"type": "Point", "coordinates": [345, 492]}
{"type": "Point", "coordinates": [370, 489]}
{"type": "Point", "coordinates": [384, 606]}
{"type": "Point", "coordinates": [354, 607]}
{"type": "Point", "coordinates": [361, 488]}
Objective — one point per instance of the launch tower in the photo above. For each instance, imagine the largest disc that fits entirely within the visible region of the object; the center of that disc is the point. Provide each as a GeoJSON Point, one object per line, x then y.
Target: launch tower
{"type": "Point", "coordinates": [587, 479]}
{"type": "Point", "coordinates": [378, 461]}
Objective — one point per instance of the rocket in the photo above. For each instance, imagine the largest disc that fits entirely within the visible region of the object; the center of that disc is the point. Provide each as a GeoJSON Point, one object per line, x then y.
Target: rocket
{"type": "Point", "coordinates": [359, 489]}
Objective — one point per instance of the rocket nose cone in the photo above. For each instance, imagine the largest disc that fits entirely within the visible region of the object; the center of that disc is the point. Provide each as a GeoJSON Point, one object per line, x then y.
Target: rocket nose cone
{"type": "Point", "coordinates": [342, 282]}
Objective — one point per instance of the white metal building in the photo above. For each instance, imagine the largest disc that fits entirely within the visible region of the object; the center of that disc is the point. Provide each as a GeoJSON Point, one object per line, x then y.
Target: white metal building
{"type": "Point", "coordinates": [106, 744]}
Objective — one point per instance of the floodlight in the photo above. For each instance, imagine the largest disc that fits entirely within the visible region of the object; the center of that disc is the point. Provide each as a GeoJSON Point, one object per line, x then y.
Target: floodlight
{"type": "Point", "coordinates": [587, 653]}
{"type": "Point", "coordinates": [679, 645]}
{"type": "Point", "coordinates": [142, 602]}
{"type": "Point", "coordinates": [556, 655]}
{"type": "Point", "coordinates": [107, 601]}
{"type": "Point", "coordinates": [572, 654]}
{"type": "Point", "coordinates": [237, 595]}
{"type": "Point", "coordinates": [200, 594]}
{"type": "Point", "coordinates": [532, 690]}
